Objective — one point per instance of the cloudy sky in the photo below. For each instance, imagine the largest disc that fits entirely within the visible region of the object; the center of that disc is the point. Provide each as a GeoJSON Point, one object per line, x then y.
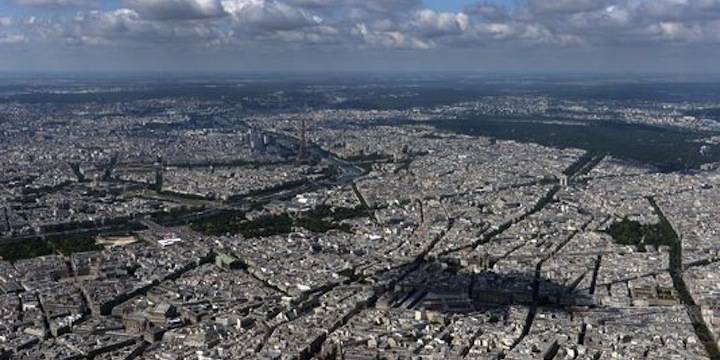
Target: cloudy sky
{"type": "Point", "coordinates": [528, 36]}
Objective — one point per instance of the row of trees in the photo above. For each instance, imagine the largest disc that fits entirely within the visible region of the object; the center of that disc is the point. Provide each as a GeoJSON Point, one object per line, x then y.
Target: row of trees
{"type": "Point", "coordinates": [321, 219]}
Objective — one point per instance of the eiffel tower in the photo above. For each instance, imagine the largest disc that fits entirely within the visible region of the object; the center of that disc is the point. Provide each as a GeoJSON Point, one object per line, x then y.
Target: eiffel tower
{"type": "Point", "coordinates": [301, 158]}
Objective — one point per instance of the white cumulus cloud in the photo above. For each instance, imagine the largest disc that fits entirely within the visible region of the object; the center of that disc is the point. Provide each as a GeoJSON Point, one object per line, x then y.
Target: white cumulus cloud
{"type": "Point", "coordinates": [176, 9]}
